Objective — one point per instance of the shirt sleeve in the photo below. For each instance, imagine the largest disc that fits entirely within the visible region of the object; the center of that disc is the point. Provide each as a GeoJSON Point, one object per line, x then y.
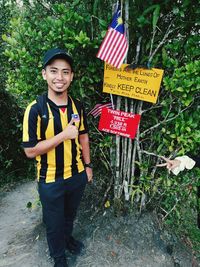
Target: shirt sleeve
{"type": "Point", "coordinates": [31, 126]}
{"type": "Point", "coordinates": [83, 122]}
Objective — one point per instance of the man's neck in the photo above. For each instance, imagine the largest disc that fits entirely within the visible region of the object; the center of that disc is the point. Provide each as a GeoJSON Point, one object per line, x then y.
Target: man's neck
{"type": "Point", "coordinates": [58, 99]}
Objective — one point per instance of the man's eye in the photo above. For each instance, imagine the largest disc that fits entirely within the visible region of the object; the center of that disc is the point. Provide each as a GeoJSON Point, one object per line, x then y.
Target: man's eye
{"type": "Point", "coordinates": [53, 71]}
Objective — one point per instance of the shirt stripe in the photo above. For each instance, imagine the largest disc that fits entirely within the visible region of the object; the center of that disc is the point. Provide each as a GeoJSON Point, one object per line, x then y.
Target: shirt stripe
{"type": "Point", "coordinates": [78, 150]}
{"type": "Point", "coordinates": [51, 155]}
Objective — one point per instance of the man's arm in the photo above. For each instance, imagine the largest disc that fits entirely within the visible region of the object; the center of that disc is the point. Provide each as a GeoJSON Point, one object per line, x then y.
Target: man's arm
{"type": "Point", "coordinates": [70, 132]}
{"type": "Point", "coordinates": [84, 141]}
{"type": "Point", "coordinates": [179, 164]}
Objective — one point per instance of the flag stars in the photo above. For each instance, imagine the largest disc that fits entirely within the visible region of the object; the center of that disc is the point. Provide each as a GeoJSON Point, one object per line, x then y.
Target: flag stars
{"type": "Point", "coordinates": [119, 21]}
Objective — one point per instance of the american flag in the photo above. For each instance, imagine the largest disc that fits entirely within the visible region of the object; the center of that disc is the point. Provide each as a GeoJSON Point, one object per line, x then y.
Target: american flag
{"type": "Point", "coordinates": [96, 111]}
{"type": "Point", "coordinates": [114, 47]}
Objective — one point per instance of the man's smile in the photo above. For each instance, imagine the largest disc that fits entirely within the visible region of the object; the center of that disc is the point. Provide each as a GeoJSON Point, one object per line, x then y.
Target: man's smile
{"type": "Point", "coordinates": [59, 84]}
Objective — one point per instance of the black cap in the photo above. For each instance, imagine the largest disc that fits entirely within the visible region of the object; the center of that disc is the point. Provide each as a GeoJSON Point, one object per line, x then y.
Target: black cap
{"type": "Point", "coordinates": [57, 53]}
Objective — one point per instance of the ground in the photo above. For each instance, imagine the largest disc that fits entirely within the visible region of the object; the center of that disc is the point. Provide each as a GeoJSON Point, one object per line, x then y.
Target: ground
{"type": "Point", "coordinates": [124, 241]}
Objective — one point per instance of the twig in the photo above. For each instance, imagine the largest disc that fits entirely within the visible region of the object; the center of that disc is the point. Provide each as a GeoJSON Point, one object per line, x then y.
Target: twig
{"type": "Point", "coordinates": [139, 111]}
{"type": "Point", "coordinates": [159, 156]}
{"type": "Point", "coordinates": [151, 108]}
{"type": "Point", "coordinates": [94, 232]}
{"type": "Point", "coordinates": [151, 153]}
{"type": "Point", "coordinates": [154, 168]}
{"type": "Point", "coordinates": [152, 41]}
{"type": "Point", "coordinates": [165, 121]}
{"type": "Point", "coordinates": [173, 208]}
{"type": "Point", "coordinates": [138, 49]}
{"type": "Point", "coordinates": [161, 43]}
{"type": "Point", "coordinates": [163, 210]}
{"type": "Point", "coordinates": [97, 129]}
{"type": "Point", "coordinates": [109, 165]}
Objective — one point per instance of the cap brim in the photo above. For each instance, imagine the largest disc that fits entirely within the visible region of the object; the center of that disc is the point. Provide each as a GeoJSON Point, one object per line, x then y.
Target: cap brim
{"type": "Point", "coordinates": [58, 55]}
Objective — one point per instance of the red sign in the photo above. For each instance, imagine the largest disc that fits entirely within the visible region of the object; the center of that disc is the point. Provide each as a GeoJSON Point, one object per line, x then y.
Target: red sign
{"type": "Point", "coordinates": [119, 122]}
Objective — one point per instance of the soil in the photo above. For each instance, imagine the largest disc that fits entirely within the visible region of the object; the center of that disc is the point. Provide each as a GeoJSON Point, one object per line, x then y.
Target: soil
{"type": "Point", "coordinates": [125, 241]}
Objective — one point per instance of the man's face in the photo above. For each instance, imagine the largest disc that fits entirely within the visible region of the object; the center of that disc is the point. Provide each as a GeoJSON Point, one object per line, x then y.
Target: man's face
{"type": "Point", "coordinates": [58, 75]}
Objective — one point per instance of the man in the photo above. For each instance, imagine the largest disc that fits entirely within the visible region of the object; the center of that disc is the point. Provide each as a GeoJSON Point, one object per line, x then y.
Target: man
{"type": "Point", "coordinates": [59, 145]}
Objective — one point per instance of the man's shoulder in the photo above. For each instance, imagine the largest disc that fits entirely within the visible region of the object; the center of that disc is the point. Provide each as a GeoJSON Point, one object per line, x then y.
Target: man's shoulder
{"type": "Point", "coordinates": [32, 106]}
{"type": "Point", "coordinates": [76, 101]}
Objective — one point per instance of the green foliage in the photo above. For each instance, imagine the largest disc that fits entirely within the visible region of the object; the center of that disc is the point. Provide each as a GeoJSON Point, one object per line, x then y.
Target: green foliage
{"type": "Point", "coordinates": [180, 207]}
{"type": "Point", "coordinates": [178, 190]}
{"type": "Point", "coordinates": [5, 15]}
{"type": "Point", "coordinates": [185, 82]}
{"type": "Point", "coordinates": [29, 37]}
{"type": "Point", "coordinates": [154, 20]}
{"type": "Point", "coordinates": [12, 159]}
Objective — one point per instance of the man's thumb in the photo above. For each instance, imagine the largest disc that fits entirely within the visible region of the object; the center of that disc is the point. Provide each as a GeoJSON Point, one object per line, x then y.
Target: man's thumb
{"type": "Point", "coordinates": [71, 122]}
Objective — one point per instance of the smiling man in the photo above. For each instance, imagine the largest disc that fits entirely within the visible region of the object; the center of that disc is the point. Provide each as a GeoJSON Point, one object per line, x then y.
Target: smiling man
{"type": "Point", "coordinates": [55, 133]}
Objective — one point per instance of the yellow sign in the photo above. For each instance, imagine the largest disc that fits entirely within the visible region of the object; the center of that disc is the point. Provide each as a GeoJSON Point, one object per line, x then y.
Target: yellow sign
{"type": "Point", "coordinates": [142, 84]}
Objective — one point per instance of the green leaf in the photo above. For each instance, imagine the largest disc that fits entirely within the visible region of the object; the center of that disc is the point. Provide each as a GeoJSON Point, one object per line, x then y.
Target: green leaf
{"type": "Point", "coordinates": [103, 33]}
{"type": "Point", "coordinates": [156, 15]}
{"type": "Point", "coordinates": [180, 89]}
{"type": "Point", "coordinates": [4, 37]}
{"type": "Point", "coordinates": [103, 23]}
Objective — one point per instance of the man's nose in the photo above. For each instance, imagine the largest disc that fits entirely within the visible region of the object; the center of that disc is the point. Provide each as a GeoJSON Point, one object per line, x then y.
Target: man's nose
{"type": "Point", "coordinates": [60, 75]}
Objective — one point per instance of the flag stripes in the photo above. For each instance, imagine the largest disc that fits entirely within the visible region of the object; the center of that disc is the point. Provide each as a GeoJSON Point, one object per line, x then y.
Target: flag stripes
{"type": "Point", "coordinates": [96, 111]}
{"type": "Point", "coordinates": [114, 47]}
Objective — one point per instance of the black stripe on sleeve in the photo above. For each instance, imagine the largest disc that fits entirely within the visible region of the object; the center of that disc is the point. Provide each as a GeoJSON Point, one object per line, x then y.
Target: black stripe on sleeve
{"type": "Point", "coordinates": [59, 150]}
{"type": "Point", "coordinates": [73, 144]}
{"type": "Point", "coordinates": [32, 127]}
{"type": "Point", "coordinates": [44, 165]}
{"type": "Point", "coordinates": [84, 117]}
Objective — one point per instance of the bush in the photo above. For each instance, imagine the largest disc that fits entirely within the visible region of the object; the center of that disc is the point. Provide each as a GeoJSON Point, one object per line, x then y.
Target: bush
{"type": "Point", "coordinates": [12, 158]}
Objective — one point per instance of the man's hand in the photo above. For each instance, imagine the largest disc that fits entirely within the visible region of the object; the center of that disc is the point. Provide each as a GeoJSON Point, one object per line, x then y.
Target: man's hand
{"type": "Point", "coordinates": [89, 174]}
{"type": "Point", "coordinates": [44, 146]}
{"type": "Point", "coordinates": [71, 131]}
{"type": "Point", "coordinates": [170, 164]}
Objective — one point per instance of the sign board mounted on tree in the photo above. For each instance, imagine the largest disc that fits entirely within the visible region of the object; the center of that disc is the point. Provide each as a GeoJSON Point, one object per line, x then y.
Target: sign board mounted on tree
{"type": "Point", "coordinates": [119, 122]}
{"type": "Point", "coordinates": [141, 84]}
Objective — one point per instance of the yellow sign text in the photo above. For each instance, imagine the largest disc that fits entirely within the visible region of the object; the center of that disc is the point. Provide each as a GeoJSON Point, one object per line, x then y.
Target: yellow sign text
{"type": "Point", "coordinates": [141, 84]}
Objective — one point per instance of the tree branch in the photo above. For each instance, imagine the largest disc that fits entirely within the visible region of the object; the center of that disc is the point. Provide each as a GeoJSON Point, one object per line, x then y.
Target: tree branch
{"type": "Point", "coordinates": [161, 42]}
{"type": "Point", "coordinates": [165, 121]}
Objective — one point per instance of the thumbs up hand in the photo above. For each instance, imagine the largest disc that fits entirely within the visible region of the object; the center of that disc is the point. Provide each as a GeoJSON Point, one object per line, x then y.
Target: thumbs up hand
{"type": "Point", "coordinates": [71, 131]}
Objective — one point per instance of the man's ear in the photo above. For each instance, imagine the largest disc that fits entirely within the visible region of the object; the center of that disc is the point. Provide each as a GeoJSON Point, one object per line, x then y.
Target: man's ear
{"type": "Point", "coordinates": [72, 76]}
{"type": "Point", "coordinates": [44, 74]}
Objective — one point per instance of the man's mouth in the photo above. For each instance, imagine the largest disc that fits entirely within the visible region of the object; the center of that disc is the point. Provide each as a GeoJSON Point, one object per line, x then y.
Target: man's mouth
{"type": "Point", "coordinates": [59, 85]}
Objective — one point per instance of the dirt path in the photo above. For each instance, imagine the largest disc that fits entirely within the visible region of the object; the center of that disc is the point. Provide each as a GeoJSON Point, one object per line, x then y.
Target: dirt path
{"type": "Point", "coordinates": [110, 241]}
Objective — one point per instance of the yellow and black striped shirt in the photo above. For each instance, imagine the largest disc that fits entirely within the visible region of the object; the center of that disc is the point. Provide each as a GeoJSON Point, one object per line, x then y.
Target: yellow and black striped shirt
{"type": "Point", "coordinates": [65, 160]}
